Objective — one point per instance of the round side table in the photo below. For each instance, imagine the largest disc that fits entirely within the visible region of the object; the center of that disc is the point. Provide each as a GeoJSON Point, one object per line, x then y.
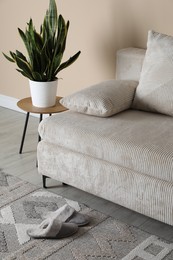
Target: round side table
{"type": "Point", "coordinates": [26, 105]}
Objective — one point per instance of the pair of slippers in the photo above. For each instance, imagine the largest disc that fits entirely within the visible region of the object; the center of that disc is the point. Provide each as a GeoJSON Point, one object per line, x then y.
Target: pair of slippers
{"type": "Point", "coordinates": [61, 223]}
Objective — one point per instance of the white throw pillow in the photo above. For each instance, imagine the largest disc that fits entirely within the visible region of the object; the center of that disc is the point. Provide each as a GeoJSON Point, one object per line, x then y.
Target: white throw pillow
{"type": "Point", "coordinates": [155, 90]}
{"type": "Point", "coordinates": [103, 99]}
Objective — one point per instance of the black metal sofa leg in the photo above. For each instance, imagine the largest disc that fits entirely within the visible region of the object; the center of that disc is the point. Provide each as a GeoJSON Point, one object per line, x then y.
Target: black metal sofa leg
{"type": "Point", "coordinates": [44, 181]}
{"type": "Point", "coordinates": [44, 177]}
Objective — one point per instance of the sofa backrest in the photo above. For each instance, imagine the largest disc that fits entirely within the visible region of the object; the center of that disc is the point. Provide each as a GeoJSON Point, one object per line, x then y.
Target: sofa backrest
{"type": "Point", "coordinates": [129, 63]}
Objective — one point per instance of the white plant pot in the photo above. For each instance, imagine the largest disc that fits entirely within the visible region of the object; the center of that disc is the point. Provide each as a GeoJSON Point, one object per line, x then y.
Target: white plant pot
{"type": "Point", "coordinates": [43, 94]}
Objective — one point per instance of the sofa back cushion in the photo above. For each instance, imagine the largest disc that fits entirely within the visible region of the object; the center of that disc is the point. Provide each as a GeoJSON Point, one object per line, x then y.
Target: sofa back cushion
{"type": "Point", "coordinates": [155, 90]}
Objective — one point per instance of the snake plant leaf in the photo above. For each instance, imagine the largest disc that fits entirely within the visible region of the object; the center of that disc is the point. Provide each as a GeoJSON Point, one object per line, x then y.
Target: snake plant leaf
{"type": "Point", "coordinates": [13, 55]}
{"type": "Point", "coordinates": [64, 42]}
{"type": "Point", "coordinates": [58, 53]}
{"type": "Point", "coordinates": [38, 40]}
{"type": "Point", "coordinates": [26, 42]}
{"type": "Point", "coordinates": [68, 62]}
{"type": "Point", "coordinates": [30, 30]}
{"type": "Point", "coordinates": [59, 42]}
{"type": "Point", "coordinates": [8, 58]}
{"type": "Point", "coordinates": [61, 30]}
{"type": "Point", "coordinates": [44, 29]}
{"type": "Point", "coordinates": [25, 74]}
{"type": "Point", "coordinates": [22, 35]}
{"type": "Point", "coordinates": [37, 76]}
{"type": "Point", "coordinates": [55, 64]}
{"type": "Point", "coordinates": [53, 16]}
{"type": "Point", "coordinates": [23, 65]}
{"type": "Point", "coordinates": [20, 55]}
{"type": "Point", "coordinates": [44, 60]}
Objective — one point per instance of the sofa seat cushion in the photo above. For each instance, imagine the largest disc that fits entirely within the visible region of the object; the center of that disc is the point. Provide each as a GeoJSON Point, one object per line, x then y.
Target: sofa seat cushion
{"type": "Point", "coordinates": [137, 140]}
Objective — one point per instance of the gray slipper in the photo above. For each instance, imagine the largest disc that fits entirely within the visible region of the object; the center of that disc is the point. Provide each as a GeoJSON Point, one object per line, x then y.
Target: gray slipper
{"type": "Point", "coordinates": [68, 214]}
{"type": "Point", "coordinates": [53, 228]}
{"type": "Point", "coordinates": [78, 219]}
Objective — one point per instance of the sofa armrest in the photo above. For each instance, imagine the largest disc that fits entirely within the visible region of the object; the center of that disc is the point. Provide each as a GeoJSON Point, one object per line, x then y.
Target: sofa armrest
{"type": "Point", "coordinates": [129, 63]}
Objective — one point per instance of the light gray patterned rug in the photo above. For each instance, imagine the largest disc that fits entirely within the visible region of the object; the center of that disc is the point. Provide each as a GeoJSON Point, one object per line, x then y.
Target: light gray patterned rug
{"type": "Point", "coordinates": [22, 206]}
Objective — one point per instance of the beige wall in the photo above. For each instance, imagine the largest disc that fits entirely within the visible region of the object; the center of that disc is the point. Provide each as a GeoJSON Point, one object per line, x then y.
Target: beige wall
{"type": "Point", "coordinates": [98, 28]}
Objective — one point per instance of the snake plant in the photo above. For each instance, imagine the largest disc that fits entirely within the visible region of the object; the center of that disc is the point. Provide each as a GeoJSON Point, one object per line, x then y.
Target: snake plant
{"type": "Point", "coordinates": [45, 49]}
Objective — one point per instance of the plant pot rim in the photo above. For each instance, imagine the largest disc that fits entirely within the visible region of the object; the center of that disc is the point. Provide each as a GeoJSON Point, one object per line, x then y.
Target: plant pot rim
{"type": "Point", "coordinates": [43, 81]}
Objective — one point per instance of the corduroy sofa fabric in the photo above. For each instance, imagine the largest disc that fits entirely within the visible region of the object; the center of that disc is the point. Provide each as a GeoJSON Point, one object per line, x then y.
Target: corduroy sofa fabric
{"type": "Point", "coordinates": [137, 140]}
{"type": "Point", "coordinates": [103, 99]}
{"type": "Point", "coordinates": [140, 192]}
{"type": "Point", "coordinates": [155, 90]}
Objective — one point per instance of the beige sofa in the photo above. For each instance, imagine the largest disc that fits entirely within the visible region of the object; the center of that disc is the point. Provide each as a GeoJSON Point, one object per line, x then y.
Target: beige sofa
{"type": "Point", "coordinates": [126, 158]}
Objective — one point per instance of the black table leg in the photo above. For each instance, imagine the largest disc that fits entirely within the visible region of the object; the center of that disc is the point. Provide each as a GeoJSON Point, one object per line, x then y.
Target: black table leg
{"type": "Point", "coordinates": [24, 132]}
{"type": "Point", "coordinates": [41, 117]}
{"type": "Point", "coordinates": [39, 139]}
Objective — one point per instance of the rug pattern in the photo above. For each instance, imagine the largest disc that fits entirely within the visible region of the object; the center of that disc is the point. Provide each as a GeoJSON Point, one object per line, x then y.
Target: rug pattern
{"type": "Point", "coordinates": [22, 205]}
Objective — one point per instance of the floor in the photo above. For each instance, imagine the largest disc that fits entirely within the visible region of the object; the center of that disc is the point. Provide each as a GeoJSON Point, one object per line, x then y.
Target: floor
{"type": "Point", "coordinates": [24, 166]}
